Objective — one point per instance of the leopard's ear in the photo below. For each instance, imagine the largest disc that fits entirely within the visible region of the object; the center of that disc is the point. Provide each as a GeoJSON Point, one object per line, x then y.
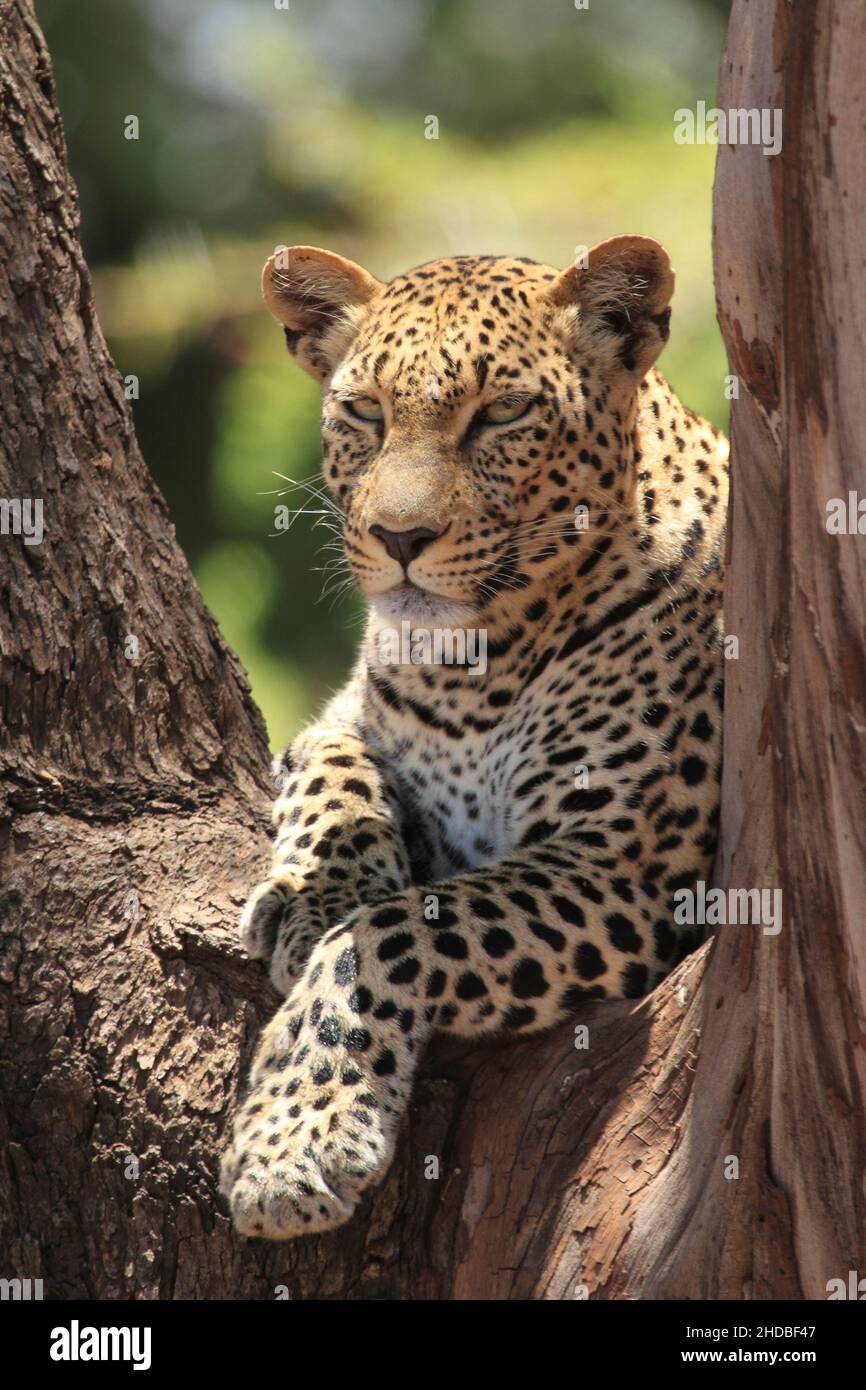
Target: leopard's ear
{"type": "Point", "coordinates": [319, 299]}
{"type": "Point", "coordinates": [616, 303]}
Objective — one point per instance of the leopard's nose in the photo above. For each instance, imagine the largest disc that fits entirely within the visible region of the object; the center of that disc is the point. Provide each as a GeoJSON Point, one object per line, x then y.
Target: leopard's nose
{"type": "Point", "coordinates": [405, 546]}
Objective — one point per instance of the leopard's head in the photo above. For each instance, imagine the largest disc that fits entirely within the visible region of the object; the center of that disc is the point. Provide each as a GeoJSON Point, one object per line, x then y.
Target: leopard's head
{"type": "Point", "coordinates": [473, 408]}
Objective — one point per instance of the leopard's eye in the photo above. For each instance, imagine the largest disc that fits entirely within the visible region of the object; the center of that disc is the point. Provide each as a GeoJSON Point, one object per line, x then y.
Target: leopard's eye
{"type": "Point", "coordinates": [365, 408]}
{"type": "Point", "coordinates": [503, 412]}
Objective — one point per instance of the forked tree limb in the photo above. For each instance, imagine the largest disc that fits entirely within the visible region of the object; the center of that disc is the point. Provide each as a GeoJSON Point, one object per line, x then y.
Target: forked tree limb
{"type": "Point", "coordinates": [135, 800]}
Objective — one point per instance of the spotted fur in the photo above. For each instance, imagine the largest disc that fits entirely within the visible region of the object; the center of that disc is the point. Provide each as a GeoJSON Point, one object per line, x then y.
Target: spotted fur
{"type": "Point", "coordinates": [465, 851]}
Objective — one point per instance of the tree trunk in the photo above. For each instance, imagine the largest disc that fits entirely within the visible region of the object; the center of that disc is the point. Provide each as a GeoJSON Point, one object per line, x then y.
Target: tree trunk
{"type": "Point", "coordinates": [133, 822]}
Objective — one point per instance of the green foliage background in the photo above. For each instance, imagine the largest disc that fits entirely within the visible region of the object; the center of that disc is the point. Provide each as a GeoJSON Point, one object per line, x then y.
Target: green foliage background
{"type": "Point", "coordinates": [260, 126]}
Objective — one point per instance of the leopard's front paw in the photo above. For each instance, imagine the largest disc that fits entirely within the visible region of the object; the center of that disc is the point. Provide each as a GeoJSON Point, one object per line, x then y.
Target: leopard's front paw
{"type": "Point", "coordinates": [293, 1170]}
{"type": "Point", "coordinates": [328, 1087]}
{"type": "Point", "coordinates": [282, 922]}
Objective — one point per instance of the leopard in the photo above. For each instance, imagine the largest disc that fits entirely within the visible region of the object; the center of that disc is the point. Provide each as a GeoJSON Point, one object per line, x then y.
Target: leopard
{"type": "Point", "coordinates": [477, 847]}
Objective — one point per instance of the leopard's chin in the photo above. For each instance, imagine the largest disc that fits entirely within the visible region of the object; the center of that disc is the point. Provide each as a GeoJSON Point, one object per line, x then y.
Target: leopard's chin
{"type": "Point", "coordinates": [410, 603]}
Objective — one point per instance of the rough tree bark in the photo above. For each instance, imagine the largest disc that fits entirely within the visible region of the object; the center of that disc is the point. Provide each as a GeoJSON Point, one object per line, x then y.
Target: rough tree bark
{"type": "Point", "coordinates": [134, 806]}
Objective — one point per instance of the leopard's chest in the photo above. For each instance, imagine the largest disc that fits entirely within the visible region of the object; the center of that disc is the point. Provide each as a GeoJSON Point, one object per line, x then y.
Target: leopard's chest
{"type": "Point", "coordinates": [457, 797]}
{"type": "Point", "coordinates": [474, 789]}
